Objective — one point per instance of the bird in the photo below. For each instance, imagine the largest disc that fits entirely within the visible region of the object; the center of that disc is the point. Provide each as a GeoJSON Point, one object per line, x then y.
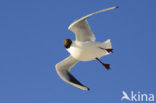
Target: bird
{"type": "Point", "coordinates": [84, 48]}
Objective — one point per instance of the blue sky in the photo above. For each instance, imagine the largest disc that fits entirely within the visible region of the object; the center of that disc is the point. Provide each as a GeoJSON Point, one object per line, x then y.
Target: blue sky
{"type": "Point", "coordinates": [31, 43]}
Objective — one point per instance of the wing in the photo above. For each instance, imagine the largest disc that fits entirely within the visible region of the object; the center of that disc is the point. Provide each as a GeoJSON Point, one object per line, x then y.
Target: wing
{"type": "Point", "coordinates": [63, 69]}
{"type": "Point", "coordinates": [81, 27]}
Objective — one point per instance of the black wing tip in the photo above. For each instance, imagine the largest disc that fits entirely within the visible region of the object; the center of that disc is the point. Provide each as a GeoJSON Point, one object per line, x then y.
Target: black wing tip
{"type": "Point", "coordinates": [117, 6]}
{"type": "Point", "coordinates": [88, 89]}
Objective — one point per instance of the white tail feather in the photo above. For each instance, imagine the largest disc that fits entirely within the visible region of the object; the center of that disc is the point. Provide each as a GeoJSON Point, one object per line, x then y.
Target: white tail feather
{"type": "Point", "coordinates": [107, 44]}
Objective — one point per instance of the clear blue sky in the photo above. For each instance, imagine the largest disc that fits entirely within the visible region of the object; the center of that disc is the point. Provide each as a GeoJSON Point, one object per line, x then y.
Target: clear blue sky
{"type": "Point", "coordinates": [31, 43]}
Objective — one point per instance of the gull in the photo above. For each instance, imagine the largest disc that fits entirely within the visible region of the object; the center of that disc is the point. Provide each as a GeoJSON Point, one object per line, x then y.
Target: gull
{"type": "Point", "coordinates": [84, 48]}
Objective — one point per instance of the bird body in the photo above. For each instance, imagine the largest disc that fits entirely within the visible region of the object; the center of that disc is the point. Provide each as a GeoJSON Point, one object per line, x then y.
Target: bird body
{"type": "Point", "coordinates": [89, 50]}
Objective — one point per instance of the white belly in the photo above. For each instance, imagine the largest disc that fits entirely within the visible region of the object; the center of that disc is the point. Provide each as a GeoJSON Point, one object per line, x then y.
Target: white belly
{"type": "Point", "coordinates": [86, 51]}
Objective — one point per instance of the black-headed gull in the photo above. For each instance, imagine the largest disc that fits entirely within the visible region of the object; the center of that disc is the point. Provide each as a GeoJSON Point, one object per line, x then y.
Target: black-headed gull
{"type": "Point", "coordinates": [84, 48]}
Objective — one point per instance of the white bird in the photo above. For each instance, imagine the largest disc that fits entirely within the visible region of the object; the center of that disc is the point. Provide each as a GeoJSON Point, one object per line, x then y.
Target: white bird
{"type": "Point", "coordinates": [84, 48]}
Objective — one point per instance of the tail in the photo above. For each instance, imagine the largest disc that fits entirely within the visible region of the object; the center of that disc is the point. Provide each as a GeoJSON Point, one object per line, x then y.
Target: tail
{"type": "Point", "coordinates": [106, 48]}
{"type": "Point", "coordinates": [107, 44]}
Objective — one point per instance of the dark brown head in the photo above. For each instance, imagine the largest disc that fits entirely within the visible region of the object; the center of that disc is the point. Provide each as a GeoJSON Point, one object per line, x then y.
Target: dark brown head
{"type": "Point", "coordinates": [67, 43]}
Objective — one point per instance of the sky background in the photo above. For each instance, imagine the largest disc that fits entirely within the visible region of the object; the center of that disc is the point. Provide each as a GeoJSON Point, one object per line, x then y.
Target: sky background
{"type": "Point", "coordinates": [31, 43]}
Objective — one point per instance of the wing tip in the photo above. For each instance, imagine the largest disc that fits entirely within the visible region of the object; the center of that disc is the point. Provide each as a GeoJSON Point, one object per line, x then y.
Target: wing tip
{"type": "Point", "coordinates": [117, 7]}
{"type": "Point", "coordinates": [88, 89]}
{"type": "Point", "coordinates": [85, 88]}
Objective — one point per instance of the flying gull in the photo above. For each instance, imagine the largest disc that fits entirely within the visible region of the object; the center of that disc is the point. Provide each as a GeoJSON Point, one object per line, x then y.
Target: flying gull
{"type": "Point", "coordinates": [84, 48]}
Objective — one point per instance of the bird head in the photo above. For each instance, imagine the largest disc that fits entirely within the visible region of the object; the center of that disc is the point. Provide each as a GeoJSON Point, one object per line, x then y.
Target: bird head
{"type": "Point", "coordinates": [67, 43]}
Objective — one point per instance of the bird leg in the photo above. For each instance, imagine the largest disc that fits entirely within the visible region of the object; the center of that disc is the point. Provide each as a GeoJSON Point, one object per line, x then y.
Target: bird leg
{"type": "Point", "coordinates": [108, 50]}
{"type": "Point", "coordinates": [107, 66]}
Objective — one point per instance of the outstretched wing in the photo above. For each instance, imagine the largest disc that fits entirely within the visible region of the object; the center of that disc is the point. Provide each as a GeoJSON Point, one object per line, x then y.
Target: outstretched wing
{"type": "Point", "coordinates": [81, 27]}
{"type": "Point", "coordinates": [63, 70]}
